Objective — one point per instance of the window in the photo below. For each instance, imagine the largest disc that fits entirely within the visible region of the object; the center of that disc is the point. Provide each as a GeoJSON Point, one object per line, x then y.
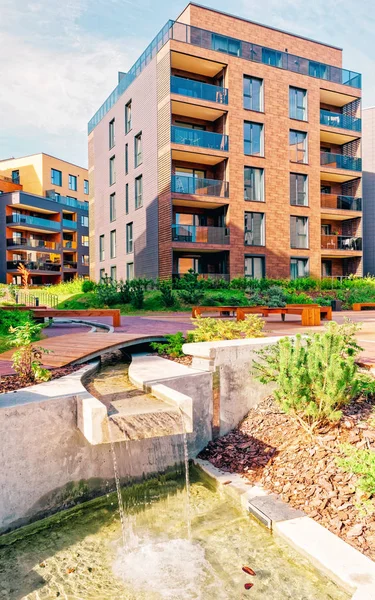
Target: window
{"type": "Point", "coordinates": [298, 146]}
{"type": "Point", "coordinates": [138, 192]}
{"type": "Point", "coordinates": [73, 183]}
{"type": "Point", "coordinates": [254, 267]}
{"type": "Point", "coordinates": [129, 271]}
{"type": "Point", "coordinates": [271, 57]}
{"type": "Point", "coordinates": [112, 170]}
{"type": "Point", "coordinates": [84, 240]}
{"type": "Point", "coordinates": [85, 186]}
{"type": "Point", "coordinates": [113, 273]}
{"type": "Point", "coordinates": [299, 189]}
{"type": "Point", "coordinates": [56, 177]}
{"type": "Point", "coordinates": [112, 207]}
{"type": "Point", "coordinates": [101, 248]}
{"type": "Point", "coordinates": [297, 104]}
{"type": "Point", "coordinates": [225, 44]}
{"type": "Point", "coordinates": [102, 274]}
{"type": "Point", "coordinates": [73, 200]}
{"type": "Point", "coordinates": [112, 244]}
{"type": "Point", "coordinates": [84, 221]}
{"type": "Point", "coordinates": [127, 198]}
{"type": "Point", "coordinates": [128, 117]}
{"type": "Point", "coordinates": [138, 149]}
{"type": "Point", "coordinates": [325, 229]}
{"type": "Point", "coordinates": [299, 267]}
{"type": "Point", "coordinates": [253, 93]}
{"type": "Point", "coordinates": [129, 238]}
{"type": "Point", "coordinates": [85, 260]}
{"type": "Point", "coordinates": [57, 196]}
{"type": "Point", "coordinates": [253, 184]}
{"type": "Point", "coordinates": [253, 139]}
{"type": "Point", "coordinates": [111, 133]}
{"type": "Point", "coordinates": [299, 232]}
{"type": "Point", "coordinates": [126, 159]}
{"type": "Point", "coordinates": [254, 229]}
{"type": "Point", "coordinates": [16, 176]}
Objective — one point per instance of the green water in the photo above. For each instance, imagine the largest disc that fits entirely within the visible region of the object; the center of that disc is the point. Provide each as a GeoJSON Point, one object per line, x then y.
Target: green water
{"type": "Point", "coordinates": [78, 554]}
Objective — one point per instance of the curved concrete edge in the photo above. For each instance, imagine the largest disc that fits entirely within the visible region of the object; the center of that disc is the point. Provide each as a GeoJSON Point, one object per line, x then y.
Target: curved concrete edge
{"type": "Point", "coordinates": [347, 567]}
{"type": "Point", "coordinates": [93, 324]}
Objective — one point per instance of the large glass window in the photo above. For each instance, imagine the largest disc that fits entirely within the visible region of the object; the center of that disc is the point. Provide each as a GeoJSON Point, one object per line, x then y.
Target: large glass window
{"type": "Point", "coordinates": [102, 274]}
{"type": "Point", "coordinates": [16, 176]}
{"type": "Point", "coordinates": [73, 183]}
{"type": "Point", "coordinates": [85, 186]}
{"type": "Point", "coordinates": [138, 191]}
{"type": "Point", "coordinates": [298, 146]}
{"type": "Point", "coordinates": [112, 207]}
{"type": "Point", "coordinates": [271, 57]}
{"type": "Point", "coordinates": [299, 189]}
{"type": "Point", "coordinates": [299, 232]}
{"type": "Point", "coordinates": [111, 133]}
{"type": "Point", "coordinates": [129, 238]}
{"type": "Point", "coordinates": [126, 159]}
{"type": "Point", "coordinates": [128, 117]}
{"type": "Point", "coordinates": [253, 139]}
{"type": "Point", "coordinates": [101, 248]}
{"type": "Point", "coordinates": [254, 267]}
{"type": "Point", "coordinates": [254, 184]}
{"type": "Point", "coordinates": [226, 44]}
{"type": "Point", "coordinates": [298, 104]}
{"type": "Point", "coordinates": [84, 221]}
{"type": "Point", "coordinates": [254, 229]}
{"type": "Point", "coordinates": [113, 273]}
{"type": "Point", "coordinates": [85, 240]}
{"type": "Point", "coordinates": [112, 245]}
{"type": "Point", "coordinates": [56, 177]}
{"type": "Point", "coordinates": [126, 198]}
{"type": "Point", "coordinates": [129, 271]}
{"type": "Point", "coordinates": [299, 267]}
{"type": "Point", "coordinates": [253, 93]}
{"type": "Point", "coordinates": [112, 170]}
{"type": "Point", "coordinates": [138, 149]}
{"type": "Point", "coordinates": [85, 260]}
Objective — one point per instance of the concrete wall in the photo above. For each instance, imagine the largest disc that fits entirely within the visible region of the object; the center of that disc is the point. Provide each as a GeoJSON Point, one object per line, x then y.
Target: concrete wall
{"type": "Point", "coordinates": [368, 122]}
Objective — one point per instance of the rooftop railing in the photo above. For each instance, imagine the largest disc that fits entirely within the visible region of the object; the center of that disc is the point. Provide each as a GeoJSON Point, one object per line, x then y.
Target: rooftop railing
{"type": "Point", "coordinates": [340, 161]}
{"type": "Point", "coordinates": [68, 201]}
{"type": "Point", "coordinates": [183, 184]}
{"type": "Point", "coordinates": [199, 89]}
{"type": "Point", "coordinates": [197, 137]}
{"type": "Point", "coordinates": [332, 119]}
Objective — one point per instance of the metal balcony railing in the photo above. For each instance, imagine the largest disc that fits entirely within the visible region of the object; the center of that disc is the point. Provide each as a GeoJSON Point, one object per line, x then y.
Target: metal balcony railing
{"type": "Point", "coordinates": [33, 265]}
{"type": "Point", "coordinates": [341, 242]}
{"type": "Point", "coordinates": [200, 235]}
{"type": "Point", "coordinates": [199, 89]}
{"type": "Point", "coordinates": [340, 161]}
{"type": "Point", "coordinates": [35, 221]}
{"type": "Point", "coordinates": [339, 120]}
{"type": "Point", "coordinates": [341, 202]}
{"type": "Point", "coordinates": [197, 137]}
{"type": "Point", "coordinates": [69, 265]}
{"type": "Point", "coordinates": [183, 184]}
{"type": "Point", "coordinates": [38, 244]}
{"type": "Point", "coordinates": [69, 224]}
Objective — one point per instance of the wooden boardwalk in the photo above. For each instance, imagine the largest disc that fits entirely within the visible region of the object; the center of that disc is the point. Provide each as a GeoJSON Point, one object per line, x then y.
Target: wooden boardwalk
{"type": "Point", "coordinates": [81, 347]}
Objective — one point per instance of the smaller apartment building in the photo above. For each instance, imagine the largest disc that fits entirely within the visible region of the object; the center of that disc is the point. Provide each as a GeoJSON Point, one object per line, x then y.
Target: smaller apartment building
{"type": "Point", "coordinates": [43, 220]}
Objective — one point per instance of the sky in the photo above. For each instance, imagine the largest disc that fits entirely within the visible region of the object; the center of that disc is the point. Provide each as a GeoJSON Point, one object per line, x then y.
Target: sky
{"type": "Point", "coordinates": [59, 59]}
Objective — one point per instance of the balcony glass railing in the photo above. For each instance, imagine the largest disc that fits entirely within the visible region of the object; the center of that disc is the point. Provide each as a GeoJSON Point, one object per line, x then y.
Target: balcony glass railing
{"type": "Point", "coordinates": [340, 161]}
{"type": "Point", "coordinates": [33, 265]}
{"type": "Point", "coordinates": [69, 265]}
{"type": "Point", "coordinates": [338, 120]}
{"type": "Point", "coordinates": [69, 224]}
{"type": "Point", "coordinates": [34, 221]}
{"type": "Point", "coordinates": [341, 242]}
{"type": "Point", "coordinates": [39, 244]}
{"type": "Point", "coordinates": [216, 276]}
{"type": "Point", "coordinates": [69, 245]}
{"type": "Point", "coordinates": [199, 89]}
{"type": "Point", "coordinates": [68, 201]}
{"type": "Point", "coordinates": [185, 184]}
{"type": "Point", "coordinates": [181, 32]}
{"type": "Point", "coordinates": [199, 138]}
{"type": "Point", "coordinates": [200, 235]}
{"type": "Point", "coordinates": [341, 202]}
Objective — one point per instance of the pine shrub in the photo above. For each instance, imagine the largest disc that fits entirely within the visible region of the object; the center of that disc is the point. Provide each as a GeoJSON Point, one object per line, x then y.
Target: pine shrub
{"type": "Point", "coordinates": [210, 330]}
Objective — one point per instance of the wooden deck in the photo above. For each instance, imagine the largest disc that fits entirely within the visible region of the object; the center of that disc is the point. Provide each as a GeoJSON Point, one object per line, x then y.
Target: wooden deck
{"type": "Point", "coordinates": [78, 348]}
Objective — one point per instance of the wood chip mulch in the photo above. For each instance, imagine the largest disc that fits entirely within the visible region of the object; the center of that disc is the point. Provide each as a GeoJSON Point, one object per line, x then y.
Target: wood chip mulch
{"type": "Point", "coordinates": [272, 449]}
{"type": "Point", "coordinates": [12, 383]}
{"type": "Point", "coordinates": [183, 360]}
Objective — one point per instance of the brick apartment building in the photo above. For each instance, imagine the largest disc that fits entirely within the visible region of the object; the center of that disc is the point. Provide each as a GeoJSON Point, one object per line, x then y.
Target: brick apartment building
{"type": "Point", "coordinates": [231, 148]}
{"type": "Point", "coordinates": [43, 219]}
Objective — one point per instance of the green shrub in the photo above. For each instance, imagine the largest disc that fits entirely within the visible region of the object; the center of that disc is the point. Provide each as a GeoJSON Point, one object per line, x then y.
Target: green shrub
{"type": "Point", "coordinates": [222, 300]}
{"type": "Point", "coordinates": [27, 360]}
{"type": "Point", "coordinates": [173, 345]}
{"type": "Point", "coordinates": [167, 295]}
{"type": "Point", "coordinates": [137, 292]}
{"type": "Point", "coordinates": [273, 297]}
{"type": "Point", "coordinates": [323, 300]}
{"type": "Point", "coordinates": [124, 291]}
{"type": "Point", "coordinates": [210, 330]}
{"type": "Point", "coordinates": [13, 318]}
{"type": "Point", "coordinates": [304, 284]}
{"type": "Point", "coordinates": [106, 293]}
{"type": "Point", "coordinates": [361, 462]}
{"type": "Point", "coordinates": [315, 375]}
{"type": "Point", "coordinates": [301, 298]}
{"type": "Point", "coordinates": [88, 286]}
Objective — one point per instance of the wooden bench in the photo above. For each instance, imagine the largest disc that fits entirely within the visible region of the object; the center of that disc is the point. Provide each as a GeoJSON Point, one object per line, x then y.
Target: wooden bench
{"type": "Point", "coordinates": [17, 307]}
{"type": "Point", "coordinates": [360, 305]}
{"type": "Point", "coordinates": [310, 314]}
{"type": "Point", "coordinates": [325, 311]}
{"type": "Point", "coordinates": [198, 310]}
{"type": "Point", "coordinates": [49, 313]}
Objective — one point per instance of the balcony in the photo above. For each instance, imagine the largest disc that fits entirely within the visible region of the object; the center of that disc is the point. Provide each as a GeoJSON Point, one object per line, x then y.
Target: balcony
{"type": "Point", "coordinates": [200, 235]}
{"type": "Point", "coordinates": [38, 244]}
{"type": "Point", "coordinates": [341, 202]}
{"type": "Point", "coordinates": [199, 186]}
{"type": "Point", "coordinates": [67, 201]}
{"type": "Point", "coordinates": [70, 265]}
{"type": "Point", "coordinates": [33, 265]}
{"type": "Point", "coordinates": [216, 276]}
{"type": "Point", "coordinates": [341, 242]}
{"type": "Point", "coordinates": [332, 119]}
{"type": "Point", "coordinates": [32, 221]}
{"type": "Point", "coordinates": [199, 138]}
{"type": "Point", "coordinates": [69, 245]}
{"type": "Point", "coordinates": [198, 89]}
{"type": "Point", "coordinates": [68, 224]}
{"type": "Point", "coordinates": [340, 161]}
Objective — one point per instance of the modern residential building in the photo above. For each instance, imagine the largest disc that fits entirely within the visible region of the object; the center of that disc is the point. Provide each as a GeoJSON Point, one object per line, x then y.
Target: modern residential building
{"type": "Point", "coordinates": [231, 148]}
{"type": "Point", "coordinates": [368, 117]}
{"type": "Point", "coordinates": [43, 220]}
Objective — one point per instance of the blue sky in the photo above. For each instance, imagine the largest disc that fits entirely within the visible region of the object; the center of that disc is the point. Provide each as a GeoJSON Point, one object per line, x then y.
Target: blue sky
{"type": "Point", "coordinates": [59, 59]}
